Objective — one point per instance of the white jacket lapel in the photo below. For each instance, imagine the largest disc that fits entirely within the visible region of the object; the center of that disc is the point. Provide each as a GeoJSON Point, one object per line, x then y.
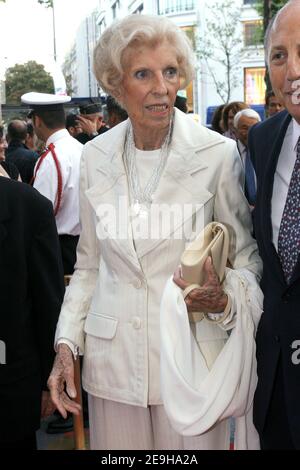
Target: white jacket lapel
{"type": "Point", "coordinates": [177, 186]}
{"type": "Point", "coordinates": [109, 194]}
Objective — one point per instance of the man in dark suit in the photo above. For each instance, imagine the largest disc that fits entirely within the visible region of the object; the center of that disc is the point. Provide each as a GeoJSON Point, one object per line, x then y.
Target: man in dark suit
{"type": "Point", "coordinates": [17, 152]}
{"type": "Point", "coordinates": [275, 150]}
{"type": "Point", "coordinates": [31, 293]}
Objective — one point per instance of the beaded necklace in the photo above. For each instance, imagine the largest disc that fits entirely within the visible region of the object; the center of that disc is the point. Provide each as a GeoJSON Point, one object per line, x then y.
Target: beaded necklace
{"type": "Point", "coordinates": [142, 197]}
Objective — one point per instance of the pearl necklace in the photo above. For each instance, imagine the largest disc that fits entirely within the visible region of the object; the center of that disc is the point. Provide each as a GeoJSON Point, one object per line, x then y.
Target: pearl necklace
{"type": "Point", "coordinates": [142, 198]}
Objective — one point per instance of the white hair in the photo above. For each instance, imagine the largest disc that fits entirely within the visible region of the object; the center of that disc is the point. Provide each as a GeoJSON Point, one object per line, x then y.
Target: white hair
{"type": "Point", "coordinates": [133, 30]}
{"type": "Point", "coordinates": [249, 113]}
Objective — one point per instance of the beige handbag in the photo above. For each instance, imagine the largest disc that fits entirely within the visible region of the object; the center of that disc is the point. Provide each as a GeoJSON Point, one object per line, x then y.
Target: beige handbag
{"type": "Point", "coordinates": [212, 241]}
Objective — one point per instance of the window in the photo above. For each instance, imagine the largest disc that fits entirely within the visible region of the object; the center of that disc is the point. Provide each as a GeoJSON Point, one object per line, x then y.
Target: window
{"type": "Point", "coordinates": [175, 6]}
{"type": "Point", "coordinates": [114, 8]}
{"type": "Point", "coordinates": [254, 85]}
{"type": "Point", "coordinates": [190, 31]}
{"type": "Point", "coordinates": [253, 33]}
{"type": "Point", "coordinates": [139, 10]}
{"type": "Point", "coordinates": [102, 27]}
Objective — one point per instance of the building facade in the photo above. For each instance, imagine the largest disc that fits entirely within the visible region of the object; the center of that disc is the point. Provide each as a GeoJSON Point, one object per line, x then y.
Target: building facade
{"type": "Point", "coordinates": [252, 57]}
{"type": "Point", "coordinates": [194, 17]}
{"type": "Point", "coordinates": [78, 64]}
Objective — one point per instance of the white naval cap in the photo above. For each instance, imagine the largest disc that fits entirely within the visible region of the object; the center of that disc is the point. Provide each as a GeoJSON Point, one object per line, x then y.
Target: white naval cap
{"type": "Point", "coordinates": [44, 99]}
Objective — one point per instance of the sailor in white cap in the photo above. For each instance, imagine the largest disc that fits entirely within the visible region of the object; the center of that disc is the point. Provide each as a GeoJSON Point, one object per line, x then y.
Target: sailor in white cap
{"type": "Point", "coordinates": [56, 173]}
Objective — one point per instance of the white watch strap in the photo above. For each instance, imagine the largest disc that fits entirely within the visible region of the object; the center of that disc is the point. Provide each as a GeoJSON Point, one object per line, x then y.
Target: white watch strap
{"type": "Point", "coordinates": [223, 315]}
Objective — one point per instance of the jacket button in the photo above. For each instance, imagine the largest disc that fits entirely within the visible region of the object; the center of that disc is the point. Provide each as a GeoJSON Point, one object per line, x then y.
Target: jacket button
{"type": "Point", "coordinates": [136, 323]}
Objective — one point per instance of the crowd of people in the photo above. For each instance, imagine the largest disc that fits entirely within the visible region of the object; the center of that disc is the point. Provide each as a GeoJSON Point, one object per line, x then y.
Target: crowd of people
{"type": "Point", "coordinates": [88, 206]}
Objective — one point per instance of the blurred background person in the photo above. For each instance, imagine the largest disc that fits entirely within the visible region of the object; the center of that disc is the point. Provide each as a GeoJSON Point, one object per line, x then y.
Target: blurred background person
{"type": "Point", "coordinates": [115, 113]}
{"type": "Point", "coordinates": [273, 104]}
{"type": "Point", "coordinates": [31, 138]}
{"type": "Point", "coordinates": [17, 152]}
{"type": "Point", "coordinates": [3, 144]}
{"type": "Point", "coordinates": [229, 112]}
{"type": "Point", "coordinates": [181, 103]}
{"type": "Point", "coordinates": [56, 174]}
{"type": "Point", "coordinates": [91, 121]}
{"type": "Point", "coordinates": [217, 124]}
{"type": "Point", "coordinates": [72, 125]}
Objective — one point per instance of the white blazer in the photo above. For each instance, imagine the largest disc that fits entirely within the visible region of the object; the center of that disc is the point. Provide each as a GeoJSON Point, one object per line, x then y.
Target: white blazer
{"type": "Point", "coordinates": [111, 308]}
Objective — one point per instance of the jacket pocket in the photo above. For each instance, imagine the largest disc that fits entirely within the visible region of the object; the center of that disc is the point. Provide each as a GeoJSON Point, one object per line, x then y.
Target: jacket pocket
{"type": "Point", "coordinates": [100, 326]}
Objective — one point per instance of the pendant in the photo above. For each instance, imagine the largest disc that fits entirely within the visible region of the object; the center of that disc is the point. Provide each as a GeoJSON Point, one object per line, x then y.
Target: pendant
{"type": "Point", "coordinates": [136, 207]}
{"type": "Point", "coordinates": [140, 210]}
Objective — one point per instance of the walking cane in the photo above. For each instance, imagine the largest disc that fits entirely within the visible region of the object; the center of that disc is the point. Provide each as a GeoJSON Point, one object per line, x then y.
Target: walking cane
{"type": "Point", "coordinates": [79, 436]}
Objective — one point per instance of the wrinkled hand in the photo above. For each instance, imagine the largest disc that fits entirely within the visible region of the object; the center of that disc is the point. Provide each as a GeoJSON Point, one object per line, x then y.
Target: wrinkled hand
{"type": "Point", "coordinates": [48, 407]}
{"type": "Point", "coordinates": [87, 126]}
{"type": "Point", "coordinates": [210, 298]}
{"type": "Point", "coordinates": [63, 373]}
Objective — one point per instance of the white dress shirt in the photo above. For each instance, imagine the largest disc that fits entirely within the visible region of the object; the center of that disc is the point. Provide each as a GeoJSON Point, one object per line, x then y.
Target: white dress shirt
{"type": "Point", "coordinates": [146, 161]}
{"type": "Point", "coordinates": [68, 151]}
{"type": "Point", "coordinates": [282, 177]}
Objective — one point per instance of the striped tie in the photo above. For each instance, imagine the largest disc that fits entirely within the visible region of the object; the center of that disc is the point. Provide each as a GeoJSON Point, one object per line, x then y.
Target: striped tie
{"type": "Point", "coordinates": [289, 232]}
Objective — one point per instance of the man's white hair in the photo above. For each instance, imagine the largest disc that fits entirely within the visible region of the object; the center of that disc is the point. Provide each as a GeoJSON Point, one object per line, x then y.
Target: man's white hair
{"type": "Point", "coordinates": [250, 113]}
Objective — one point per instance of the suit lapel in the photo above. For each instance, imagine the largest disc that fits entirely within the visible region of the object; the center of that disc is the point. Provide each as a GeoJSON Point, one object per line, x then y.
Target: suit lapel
{"type": "Point", "coordinates": [109, 197]}
{"type": "Point", "coordinates": [296, 273]}
{"type": "Point", "coordinates": [267, 193]}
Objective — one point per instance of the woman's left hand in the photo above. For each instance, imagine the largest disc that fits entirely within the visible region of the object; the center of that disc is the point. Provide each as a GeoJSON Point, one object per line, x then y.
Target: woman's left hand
{"type": "Point", "coordinates": [210, 298]}
{"type": "Point", "coordinates": [47, 408]}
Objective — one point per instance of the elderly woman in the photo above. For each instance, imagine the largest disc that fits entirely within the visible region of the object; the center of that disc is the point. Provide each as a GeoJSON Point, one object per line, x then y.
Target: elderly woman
{"type": "Point", "coordinates": [229, 112]}
{"type": "Point", "coordinates": [146, 186]}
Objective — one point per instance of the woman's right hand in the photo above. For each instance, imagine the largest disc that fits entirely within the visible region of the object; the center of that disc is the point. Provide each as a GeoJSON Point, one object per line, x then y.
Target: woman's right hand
{"type": "Point", "coordinates": [63, 374]}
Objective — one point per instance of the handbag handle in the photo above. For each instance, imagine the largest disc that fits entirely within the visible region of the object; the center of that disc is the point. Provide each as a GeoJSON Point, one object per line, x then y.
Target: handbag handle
{"type": "Point", "coordinates": [189, 289]}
